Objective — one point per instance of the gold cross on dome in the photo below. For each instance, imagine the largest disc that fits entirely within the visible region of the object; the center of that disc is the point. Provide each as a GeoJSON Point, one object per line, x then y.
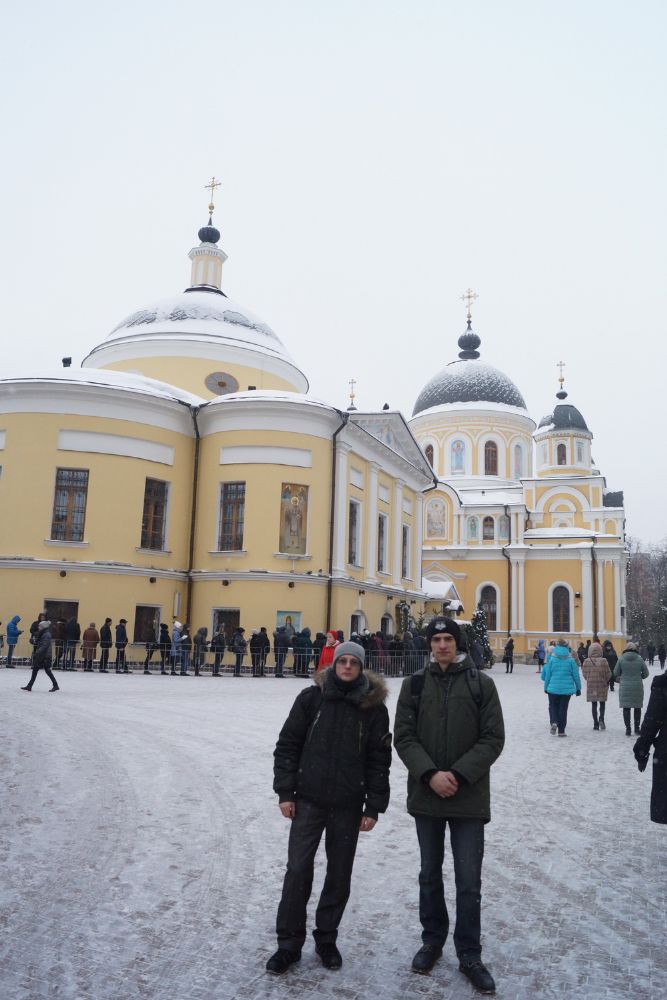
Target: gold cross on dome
{"type": "Point", "coordinates": [353, 382]}
{"type": "Point", "coordinates": [469, 297]}
{"type": "Point", "coordinates": [560, 366]}
{"type": "Point", "coordinates": [213, 184]}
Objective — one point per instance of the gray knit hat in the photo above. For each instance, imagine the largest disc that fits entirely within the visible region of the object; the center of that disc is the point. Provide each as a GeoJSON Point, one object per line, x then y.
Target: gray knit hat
{"type": "Point", "coordinates": [351, 649]}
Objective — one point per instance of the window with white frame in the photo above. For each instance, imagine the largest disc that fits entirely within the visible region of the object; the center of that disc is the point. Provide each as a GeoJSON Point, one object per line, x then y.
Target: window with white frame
{"type": "Point", "coordinates": [353, 532]}
{"type": "Point", "coordinates": [383, 521]}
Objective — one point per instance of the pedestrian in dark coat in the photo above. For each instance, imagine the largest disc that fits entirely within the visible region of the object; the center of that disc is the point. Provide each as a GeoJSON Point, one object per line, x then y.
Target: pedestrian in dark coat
{"type": "Point", "coordinates": [255, 645]}
{"type": "Point", "coordinates": [91, 637]}
{"type": "Point", "coordinates": [650, 653]}
{"type": "Point", "coordinates": [58, 638]}
{"type": "Point", "coordinates": [653, 733]}
{"type": "Point", "coordinates": [448, 732]}
{"type": "Point", "coordinates": [41, 659]}
{"type": "Point", "coordinates": [265, 649]}
{"type": "Point", "coordinates": [72, 636]}
{"type": "Point", "coordinates": [121, 643]}
{"type": "Point", "coordinates": [662, 655]}
{"type": "Point", "coordinates": [303, 652]}
{"type": "Point", "coordinates": [200, 649]}
{"type": "Point", "coordinates": [610, 656]}
{"type": "Point", "coordinates": [239, 647]}
{"type": "Point", "coordinates": [581, 652]}
{"type": "Point", "coordinates": [218, 646]}
{"type": "Point", "coordinates": [631, 672]}
{"type": "Point", "coordinates": [152, 642]}
{"type": "Point", "coordinates": [331, 774]}
{"type": "Point", "coordinates": [319, 642]}
{"type": "Point", "coordinates": [280, 648]}
{"type": "Point", "coordinates": [508, 656]}
{"type": "Point", "coordinates": [165, 646]}
{"type": "Point", "coordinates": [106, 642]}
{"type": "Point", "coordinates": [597, 673]}
{"type": "Point", "coordinates": [13, 633]}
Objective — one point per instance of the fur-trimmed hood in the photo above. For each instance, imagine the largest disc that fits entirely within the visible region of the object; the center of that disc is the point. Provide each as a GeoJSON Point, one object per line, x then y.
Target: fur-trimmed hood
{"type": "Point", "coordinates": [373, 692]}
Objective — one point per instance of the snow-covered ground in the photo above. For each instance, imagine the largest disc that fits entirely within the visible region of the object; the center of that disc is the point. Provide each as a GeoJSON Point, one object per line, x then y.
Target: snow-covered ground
{"type": "Point", "coordinates": [142, 853]}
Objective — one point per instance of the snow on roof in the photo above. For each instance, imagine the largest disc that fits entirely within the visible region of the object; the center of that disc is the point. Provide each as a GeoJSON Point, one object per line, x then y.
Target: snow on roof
{"type": "Point", "coordinates": [469, 381]}
{"type": "Point", "coordinates": [491, 498]}
{"type": "Point", "coordinates": [476, 406]}
{"type": "Point", "coordinates": [564, 533]}
{"type": "Point", "coordinates": [270, 395]}
{"type": "Point", "coordinates": [198, 315]}
{"type": "Point", "coordinates": [441, 589]}
{"type": "Point", "coordinates": [124, 381]}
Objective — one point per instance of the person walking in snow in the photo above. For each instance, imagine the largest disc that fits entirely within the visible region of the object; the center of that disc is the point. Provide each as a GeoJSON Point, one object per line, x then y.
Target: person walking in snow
{"type": "Point", "coordinates": [631, 671]}
{"type": "Point", "coordinates": [610, 656]}
{"type": "Point", "coordinates": [41, 659]}
{"type": "Point", "coordinates": [449, 731]}
{"type": "Point", "coordinates": [331, 775]}
{"type": "Point", "coordinates": [597, 673]}
{"type": "Point", "coordinates": [508, 656]}
{"type": "Point", "coordinates": [662, 655]}
{"type": "Point", "coordinates": [653, 733]}
{"type": "Point", "coordinates": [561, 680]}
{"type": "Point", "coordinates": [540, 655]}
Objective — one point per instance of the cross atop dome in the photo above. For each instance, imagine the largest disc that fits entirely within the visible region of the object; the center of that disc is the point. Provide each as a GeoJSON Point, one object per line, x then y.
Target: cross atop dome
{"type": "Point", "coordinates": [207, 259]}
{"type": "Point", "coordinates": [469, 341]}
{"type": "Point", "coordinates": [469, 297]}
{"type": "Point", "coordinates": [212, 184]}
{"type": "Point", "coordinates": [561, 394]}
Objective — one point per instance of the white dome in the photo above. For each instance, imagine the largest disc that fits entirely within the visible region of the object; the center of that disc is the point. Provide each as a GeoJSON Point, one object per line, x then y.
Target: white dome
{"type": "Point", "coordinates": [207, 320]}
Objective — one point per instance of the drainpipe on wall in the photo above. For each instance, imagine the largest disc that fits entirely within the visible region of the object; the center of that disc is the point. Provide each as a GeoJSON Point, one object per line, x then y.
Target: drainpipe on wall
{"type": "Point", "coordinates": [594, 566]}
{"type": "Point", "coordinates": [332, 512]}
{"type": "Point", "coordinates": [193, 410]}
{"type": "Point", "coordinates": [509, 573]}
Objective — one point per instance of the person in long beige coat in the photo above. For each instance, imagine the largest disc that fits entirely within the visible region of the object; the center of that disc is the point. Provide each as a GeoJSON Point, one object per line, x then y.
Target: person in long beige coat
{"type": "Point", "coordinates": [597, 675]}
{"type": "Point", "coordinates": [91, 637]}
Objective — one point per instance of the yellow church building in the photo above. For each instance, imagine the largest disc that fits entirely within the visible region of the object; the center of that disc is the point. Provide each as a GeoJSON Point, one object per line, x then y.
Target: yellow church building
{"type": "Point", "coordinates": [521, 521]}
{"type": "Point", "coordinates": [184, 471]}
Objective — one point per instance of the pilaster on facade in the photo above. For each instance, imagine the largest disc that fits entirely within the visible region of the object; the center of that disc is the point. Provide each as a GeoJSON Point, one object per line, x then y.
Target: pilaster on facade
{"type": "Point", "coordinates": [340, 507]}
{"type": "Point", "coordinates": [618, 621]}
{"type": "Point", "coordinates": [586, 591]}
{"type": "Point", "coordinates": [398, 539]}
{"type": "Point", "coordinates": [372, 529]}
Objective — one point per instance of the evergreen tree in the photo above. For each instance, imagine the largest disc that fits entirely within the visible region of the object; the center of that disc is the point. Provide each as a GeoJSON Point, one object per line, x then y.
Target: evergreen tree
{"type": "Point", "coordinates": [480, 631]}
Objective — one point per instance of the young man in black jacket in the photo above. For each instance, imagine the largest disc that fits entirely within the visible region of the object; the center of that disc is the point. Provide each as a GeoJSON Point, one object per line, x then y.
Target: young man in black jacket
{"type": "Point", "coordinates": [331, 774]}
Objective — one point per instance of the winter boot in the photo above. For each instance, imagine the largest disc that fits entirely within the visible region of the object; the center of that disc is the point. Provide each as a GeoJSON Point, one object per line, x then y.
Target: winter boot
{"type": "Point", "coordinates": [330, 956]}
{"type": "Point", "coordinates": [281, 960]}
{"type": "Point", "coordinates": [479, 976]}
{"type": "Point", "coordinates": [602, 724]}
{"type": "Point", "coordinates": [426, 958]}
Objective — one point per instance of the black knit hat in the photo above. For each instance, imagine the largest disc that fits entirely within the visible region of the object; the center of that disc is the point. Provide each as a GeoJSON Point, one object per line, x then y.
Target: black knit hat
{"type": "Point", "coordinates": [442, 626]}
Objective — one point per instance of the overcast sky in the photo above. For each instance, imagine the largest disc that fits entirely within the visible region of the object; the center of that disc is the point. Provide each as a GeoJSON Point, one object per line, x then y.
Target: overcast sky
{"type": "Point", "coordinates": [377, 158]}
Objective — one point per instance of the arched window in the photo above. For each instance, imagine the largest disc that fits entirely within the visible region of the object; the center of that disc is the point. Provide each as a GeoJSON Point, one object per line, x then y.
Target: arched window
{"type": "Point", "coordinates": [458, 456]}
{"type": "Point", "coordinates": [560, 601]}
{"type": "Point", "coordinates": [472, 529]}
{"type": "Point", "coordinates": [488, 529]}
{"type": "Point", "coordinates": [561, 454]}
{"type": "Point", "coordinates": [428, 451]}
{"type": "Point", "coordinates": [488, 604]}
{"type": "Point", "coordinates": [518, 461]}
{"type": "Point", "coordinates": [503, 526]}
{"type": "Point", "coordinates": [490, 458]}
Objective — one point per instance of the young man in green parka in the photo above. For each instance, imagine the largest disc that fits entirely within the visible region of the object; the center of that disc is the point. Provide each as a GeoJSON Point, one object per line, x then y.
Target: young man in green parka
{"type": "Point", "coordinates": [449, 730]}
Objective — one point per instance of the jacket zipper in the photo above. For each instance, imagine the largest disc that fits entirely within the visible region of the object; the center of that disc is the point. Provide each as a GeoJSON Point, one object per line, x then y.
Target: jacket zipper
{"type": "Point", "coordinates": [315, 721]}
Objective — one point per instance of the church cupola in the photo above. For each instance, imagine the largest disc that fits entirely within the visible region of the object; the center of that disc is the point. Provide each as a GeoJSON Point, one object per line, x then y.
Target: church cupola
{"type": "Point", "coordinates": [207, 258]}
{"type": "Point", "coordinates": [563, 439]}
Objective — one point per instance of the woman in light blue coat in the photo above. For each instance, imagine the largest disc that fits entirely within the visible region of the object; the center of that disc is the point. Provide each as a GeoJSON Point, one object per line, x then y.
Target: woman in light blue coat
{"type": "Point", "coordinates": [561, 680]}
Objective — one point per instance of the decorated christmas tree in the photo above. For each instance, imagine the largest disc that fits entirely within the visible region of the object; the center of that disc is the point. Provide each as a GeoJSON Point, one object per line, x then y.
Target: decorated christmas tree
{"type": "Point", "coordinates": [481, 633]}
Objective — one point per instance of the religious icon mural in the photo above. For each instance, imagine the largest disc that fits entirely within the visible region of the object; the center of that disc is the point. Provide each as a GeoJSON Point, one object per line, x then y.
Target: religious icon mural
{"type": "Point", "coordinates": [518, 461]}
{"type": "Point", "coordinates": [504, 526]}
{"type": "Point", "coordinates": [458, 457]}
{"type": "Point", "coordinates": [293, 518]}
{"type": "Point", "coordinates": [436, 524]}
{"type": "Point", "coordinates": [473, 529]}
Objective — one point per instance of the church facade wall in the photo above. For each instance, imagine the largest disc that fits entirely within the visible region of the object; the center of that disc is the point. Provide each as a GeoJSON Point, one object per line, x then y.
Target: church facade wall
{"type": "Point", "coordinates": [192, 373]}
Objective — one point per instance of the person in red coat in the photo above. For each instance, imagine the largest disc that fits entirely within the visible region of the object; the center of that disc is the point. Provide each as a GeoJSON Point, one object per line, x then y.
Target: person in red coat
{"type": "Point", "coordinates": [327, 654]}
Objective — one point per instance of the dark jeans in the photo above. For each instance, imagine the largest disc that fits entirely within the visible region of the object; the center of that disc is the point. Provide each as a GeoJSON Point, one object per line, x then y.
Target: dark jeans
{"type": "Point", "coordinates": [638, 718]}
{"type": "Point", "coordinates": [216, 663]}
{"type": "Point", "coordinates": [341, 828]}
{"type": "Point", "coordinates": [70, 654]}
{"type": "Point", "coordinates": [121, 665]}
{"type": "Point", "coordinates": [467, 843]}
{"type": "Point", "coordinates": [558, 704]}
{"type": "Point", "coordinates": [10, 653]}
{"type": "Point", "coordinates": [509, 665]}
{"type": "Point", "coordinates": [280, 661]}
{"type": "Point", "coordinates": [104, 659]}
{"type": "Point", "coordinates": [594, 709]}
{"type": "Point", "coordinates": [238, 663]}
{"type": "Point", "coordinates": [46, 667]}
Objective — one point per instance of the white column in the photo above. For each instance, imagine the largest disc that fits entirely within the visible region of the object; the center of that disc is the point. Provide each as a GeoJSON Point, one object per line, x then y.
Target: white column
{"type": "Point", "coordinates": [457, 529]}
{"type": "Point", "coordinates": [600, 588]}
{"type": "Point", "coordinates": [617, 596]}
{"type": "Point", "coordinates": [398, 522]}
{"type": "Point", "coordinates": [586, 592]}
{"type": "Point", "coordinates": [372, 547]}
{"type": "Point", "coordinates": [521, 598]}
{"type": "Point", "coordinates": [418, 542]}
{"type": "Point", "coordinates": [340, 508]}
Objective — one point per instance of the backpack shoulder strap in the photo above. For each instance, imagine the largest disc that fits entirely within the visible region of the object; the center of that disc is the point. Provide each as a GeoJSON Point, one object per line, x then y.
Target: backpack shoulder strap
{"type": "Point", "coordinates": [417, 686]}
{"type": "Point", "coordinates": [474, 684]}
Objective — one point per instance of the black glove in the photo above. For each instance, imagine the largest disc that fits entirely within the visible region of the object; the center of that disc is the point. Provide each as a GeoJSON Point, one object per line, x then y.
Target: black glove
{"type": "Point", "coordinates": [641, 761]}
{"type": "Point", "coordinates": [578, 694]}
